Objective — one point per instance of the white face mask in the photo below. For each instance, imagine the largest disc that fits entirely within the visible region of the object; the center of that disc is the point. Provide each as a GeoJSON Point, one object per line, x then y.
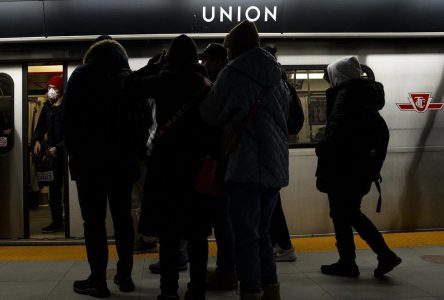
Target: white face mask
{"type": "Point", "coordinates": [52, 94]}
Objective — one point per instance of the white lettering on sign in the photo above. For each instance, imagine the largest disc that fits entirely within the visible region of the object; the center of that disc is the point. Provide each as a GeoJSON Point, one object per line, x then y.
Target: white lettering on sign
{"type": "Point", "coordinates": [251, 13]}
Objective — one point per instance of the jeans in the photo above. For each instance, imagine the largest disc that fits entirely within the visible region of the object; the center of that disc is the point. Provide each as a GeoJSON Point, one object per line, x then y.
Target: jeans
{"type": "Point", "coordinates": [93, 197]}
{"type": "Point", "coordinates": [278, 228]}
{"type": "Point", "coordinates": [223, 233]}
{"type": "Point", "coordinates": [251, 208]}
{"type": "Point", "coordinates": [345, 211]}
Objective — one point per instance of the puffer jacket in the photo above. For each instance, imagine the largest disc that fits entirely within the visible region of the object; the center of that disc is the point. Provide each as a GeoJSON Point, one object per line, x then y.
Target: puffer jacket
{"type": "Point", "coordinates": [262, 153]}
{"type": "Point", "coordinates": [343, 148]}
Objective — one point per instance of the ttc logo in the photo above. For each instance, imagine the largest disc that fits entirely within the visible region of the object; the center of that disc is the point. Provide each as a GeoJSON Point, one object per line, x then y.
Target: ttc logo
{"type": "Point", "coordinates": [420, 102]}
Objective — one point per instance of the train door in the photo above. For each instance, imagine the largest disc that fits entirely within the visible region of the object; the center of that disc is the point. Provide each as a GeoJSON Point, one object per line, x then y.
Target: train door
{"type": "Point", "coordinates": [47, 211]}
{"type": "Point", "coordinates": [11, 152]}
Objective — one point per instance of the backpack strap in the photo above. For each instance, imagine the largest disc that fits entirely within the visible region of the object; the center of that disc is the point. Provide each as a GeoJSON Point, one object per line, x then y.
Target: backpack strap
{"type": "Point", "coordinates": [378, 187]}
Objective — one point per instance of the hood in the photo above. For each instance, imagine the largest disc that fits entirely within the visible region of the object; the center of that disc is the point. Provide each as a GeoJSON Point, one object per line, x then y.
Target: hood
{"type": "Point", "coordinates": [357, 93]}
{"type": "Point", "coordinates": [108, 53]}
{"type": "Point", "coordinates": [343, 69]}
{"type": "Point", "coordinates": [260, 65]}
{"type": "Point", "coordinates": [182, 50]}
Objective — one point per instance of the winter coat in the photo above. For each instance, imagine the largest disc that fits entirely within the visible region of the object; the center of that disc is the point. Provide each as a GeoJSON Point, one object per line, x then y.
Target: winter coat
{"type": "Point", "coordinates": [342, 150]}
{"type": "Point", "coordinates": [170, 204]}
{"type": "Point", "coordinates": [99, 140]}
{"type": "Point", "coordinates": [50, 123]}
{"type": "Point", "coordinates": [262, 153]}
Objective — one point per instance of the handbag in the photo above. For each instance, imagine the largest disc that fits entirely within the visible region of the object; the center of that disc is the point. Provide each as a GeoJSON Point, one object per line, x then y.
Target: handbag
{"type": "Point", "coordinates": [210, 180]}
{"type": "Point", "coordinates": [45, 170]}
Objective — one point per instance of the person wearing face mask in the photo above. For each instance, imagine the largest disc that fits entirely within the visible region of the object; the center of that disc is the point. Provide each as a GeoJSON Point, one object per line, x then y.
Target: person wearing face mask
{"type": "Point", "coordinates": [48, 141]}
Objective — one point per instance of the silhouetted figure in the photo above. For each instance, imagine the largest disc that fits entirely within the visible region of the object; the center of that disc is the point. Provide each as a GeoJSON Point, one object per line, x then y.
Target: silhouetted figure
{"type": "Point", "coordinates": [104, 152]}
{"type": "Point", "coordinates": [250, 102]}
{"type": "Point", "coordinates": [173, 210]}
{"type": "Point", "coordinates": [345, 163]}
{"type": "Point", "coordinates": [48, 137]}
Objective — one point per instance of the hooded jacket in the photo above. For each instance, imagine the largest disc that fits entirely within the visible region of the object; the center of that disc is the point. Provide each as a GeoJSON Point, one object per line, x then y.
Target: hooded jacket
{"type": "Point", "coordinates": [342, 150]}
{"type": "Point", "coordinates": [97, 136]}
{"type": "Point", "coordinates": [262, 153]}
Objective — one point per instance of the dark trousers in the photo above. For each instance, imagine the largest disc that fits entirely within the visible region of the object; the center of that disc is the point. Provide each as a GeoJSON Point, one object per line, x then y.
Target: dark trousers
{"type": "Point", "coordinates": [345, 211]}
{"type": "Point", "coordinates": [169, 259]}
{"type": "Point", "coordinates": [55, 193]}
{"type": "Point", "coordinates": [223, 233]}
{"type": "Point", "coordinates": [251, 208]}
{"type": "Point", "coordinates": [278, 227]}
{"type": "Point", "coordinates": [93, 199]}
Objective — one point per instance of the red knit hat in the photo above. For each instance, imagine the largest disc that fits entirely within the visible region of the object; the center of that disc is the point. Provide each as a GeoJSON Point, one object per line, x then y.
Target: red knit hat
{"type": "Point", "coordinates": [56, 81]}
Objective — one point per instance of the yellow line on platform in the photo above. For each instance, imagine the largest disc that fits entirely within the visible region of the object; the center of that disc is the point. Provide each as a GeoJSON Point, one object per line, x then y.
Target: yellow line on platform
{"type": "Point", "coordinates": [302, 244]}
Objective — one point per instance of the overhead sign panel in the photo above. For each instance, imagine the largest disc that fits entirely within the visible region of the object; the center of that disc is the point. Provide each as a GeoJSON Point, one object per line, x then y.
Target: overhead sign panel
{"type": "Point", "coordinates": [21, 19]}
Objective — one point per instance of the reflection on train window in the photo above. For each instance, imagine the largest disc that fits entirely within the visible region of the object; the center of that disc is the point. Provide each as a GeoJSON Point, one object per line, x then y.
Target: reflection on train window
{"type": "Point", "coordinates": [6, 113]}
{"type": "Point", "coordinates": [310, 86]}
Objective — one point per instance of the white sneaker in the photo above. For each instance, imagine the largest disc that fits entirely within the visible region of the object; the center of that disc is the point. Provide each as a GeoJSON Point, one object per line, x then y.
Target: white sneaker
{"type": "Point", "coordinates": [284, 255]}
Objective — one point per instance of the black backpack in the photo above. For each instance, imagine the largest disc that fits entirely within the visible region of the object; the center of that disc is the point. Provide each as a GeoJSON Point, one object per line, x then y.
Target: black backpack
{"type": "Point", "coordinates": [296, 118]}
{"type": "Point", "coordinates": [377, 139]}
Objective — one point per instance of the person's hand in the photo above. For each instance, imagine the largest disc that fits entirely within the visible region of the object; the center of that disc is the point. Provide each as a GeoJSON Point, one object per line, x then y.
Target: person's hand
{"type": "Point", "coordinates": [37, 148]}
{"type": "Point", "coordinates": [7, 131]}
{"type": "Point", "coordinates": [161, 59]}
{"type": "Point", "coordinates": [52, 151]}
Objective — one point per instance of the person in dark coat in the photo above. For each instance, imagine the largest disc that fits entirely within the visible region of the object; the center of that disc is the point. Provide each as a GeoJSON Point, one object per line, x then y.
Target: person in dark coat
{"type": "Point", "coordinates": [340, 172]}
{"type": "Point", "coordinates": [103, 159]}
{"type": "Point", "coordinates": [172, 209]}
{"type": "Point", "coordinates": [257, 166]}
{"type": "Point", "coordinates": [48, 138]}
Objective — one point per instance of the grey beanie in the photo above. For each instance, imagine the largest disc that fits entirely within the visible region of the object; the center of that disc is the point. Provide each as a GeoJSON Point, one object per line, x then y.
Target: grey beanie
{"type": "Point", "coordinates": [344, 69]}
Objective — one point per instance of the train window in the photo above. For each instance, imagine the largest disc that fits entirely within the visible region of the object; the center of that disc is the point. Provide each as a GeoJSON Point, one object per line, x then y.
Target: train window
{"type": "Point", "coordinates": [6, 113]}
{"type": "Point", "coordinates": [310, 86]}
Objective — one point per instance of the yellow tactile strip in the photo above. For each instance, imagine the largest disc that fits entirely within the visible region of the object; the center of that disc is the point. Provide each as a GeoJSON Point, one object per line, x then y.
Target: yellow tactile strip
{"type": "Point", "coordinates": [302, 244]}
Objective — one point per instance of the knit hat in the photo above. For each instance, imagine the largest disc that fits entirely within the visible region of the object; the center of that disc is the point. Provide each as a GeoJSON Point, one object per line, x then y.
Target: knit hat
{"type": "Point", "coordinates": [343, 69]}
{"type": "Point", "coordinates": [242, 37]}
{"type": "Point", "coordinates": [182, 50]}
{"type": "Point", "coordinates": [56, 81]}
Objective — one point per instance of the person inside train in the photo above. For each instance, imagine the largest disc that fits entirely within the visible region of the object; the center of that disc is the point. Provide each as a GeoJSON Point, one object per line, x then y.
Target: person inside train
{"type": "Point", "coordinates": [103, 155]}
{"type": "Point", "coordinates": [175, 210]}
{"type": "Point", "coordinates": [345, 163]}
{"type": "Point", "coordinates": [251, 103]}
{"type": "Point", "coordinates": [48, 142]}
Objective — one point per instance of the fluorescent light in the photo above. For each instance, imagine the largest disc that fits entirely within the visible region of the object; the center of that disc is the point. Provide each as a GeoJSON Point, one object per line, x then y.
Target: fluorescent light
{"type": "Point", "coordinates": [312, 76]}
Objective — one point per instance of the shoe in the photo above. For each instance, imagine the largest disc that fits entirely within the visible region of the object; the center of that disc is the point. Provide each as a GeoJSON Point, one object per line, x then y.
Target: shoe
{"type": "Point", "coordinates": [195, 293]}
{"type": "Point", "coordinates": [125, 284]}
{"type": "Point", "coordinates": [142, 246]}
{"type": "Point", "coordinates": [344, 269]}
{"type": "Point", "coordinates": [284, 255]}
{"type": "Point", "coordinates": [218, 281]}
{"type": "Point", "coordinates": [91, 288]}
{"type": "Point", "coordinates": [53, 227]}
{"type": "Point", "coordinates": [386, 264]}
{"type": "Point", "coordinates": [155, 267]}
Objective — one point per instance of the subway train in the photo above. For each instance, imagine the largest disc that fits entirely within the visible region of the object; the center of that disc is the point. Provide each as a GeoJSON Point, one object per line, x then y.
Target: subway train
{"type": "Point", "coordinates": [400, 46]}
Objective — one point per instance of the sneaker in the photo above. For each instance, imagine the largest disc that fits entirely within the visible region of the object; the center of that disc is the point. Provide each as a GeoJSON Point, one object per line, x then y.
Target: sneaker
{"type": "Point", "coordinates": [91, 288]}
{"type": "Point", "coordinates": [386, 264]}
{"type": "Point", "coordinates": [218, 281]}
{"type": "Point", "coordinates": [142, 246]}
{"type": "Point", "coordinates": [284, 255]}
{"type": "Point", "coordinates": [341, 269]}
{"type": "Point", "coordinates": [155, 267]}
{"type": "Point", "coordinates": [125, 284]}
{"type": "Point", "coordinates": [53, 227]}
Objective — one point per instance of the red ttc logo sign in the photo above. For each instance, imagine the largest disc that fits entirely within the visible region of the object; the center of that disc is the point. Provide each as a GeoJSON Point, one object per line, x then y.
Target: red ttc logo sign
{"type": "Point", "coordinates": [420, 102]}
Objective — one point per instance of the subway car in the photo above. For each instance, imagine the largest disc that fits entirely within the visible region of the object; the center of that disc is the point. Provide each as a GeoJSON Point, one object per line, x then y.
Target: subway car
{"type": "Point", "coordinates": [400, 44]}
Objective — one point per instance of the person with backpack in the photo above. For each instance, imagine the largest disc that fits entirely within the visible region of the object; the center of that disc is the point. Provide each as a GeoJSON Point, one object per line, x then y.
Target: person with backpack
{"type": "Point", "coordinates": [350, 157]}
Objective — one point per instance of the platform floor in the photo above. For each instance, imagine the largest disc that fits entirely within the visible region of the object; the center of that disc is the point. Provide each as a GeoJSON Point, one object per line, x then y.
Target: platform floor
{"type": "Point", "coordinates": [420, 276]}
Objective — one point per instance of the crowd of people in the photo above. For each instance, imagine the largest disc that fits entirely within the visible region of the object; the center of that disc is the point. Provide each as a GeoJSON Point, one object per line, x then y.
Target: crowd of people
{"type": "Point", "coordinates": [164, 120]}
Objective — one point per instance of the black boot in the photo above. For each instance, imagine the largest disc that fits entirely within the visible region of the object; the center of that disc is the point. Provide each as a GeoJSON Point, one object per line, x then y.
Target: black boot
{"type": "Point", "coordinates": [125, 283]}
{"type": "Point", "coordinates": [386, 263]}
{"type": "Point", "coordinates": [97, 289]}
{"type": "Point", "coordinates": [341, 268]}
